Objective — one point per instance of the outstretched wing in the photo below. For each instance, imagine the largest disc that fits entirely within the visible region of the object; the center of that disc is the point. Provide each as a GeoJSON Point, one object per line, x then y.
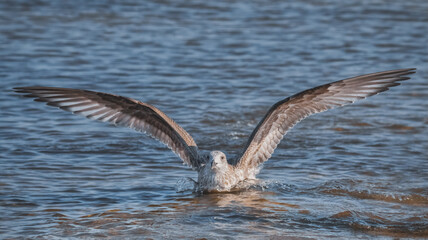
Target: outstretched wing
{"type": "Point", "coordinates": [286, 113]}
{"type": "Point", "coordinates": [121, 111]}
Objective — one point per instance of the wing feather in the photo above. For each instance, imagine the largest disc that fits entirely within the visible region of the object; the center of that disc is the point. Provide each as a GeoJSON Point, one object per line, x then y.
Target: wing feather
{"type": "Point", "coordinates": [121, 111]}
{"type": "Point", "coordinates": [283, 115]}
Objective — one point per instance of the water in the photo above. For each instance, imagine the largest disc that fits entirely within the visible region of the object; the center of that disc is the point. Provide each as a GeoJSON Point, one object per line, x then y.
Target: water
{"type": "Point", "coordinates": [355, 172]}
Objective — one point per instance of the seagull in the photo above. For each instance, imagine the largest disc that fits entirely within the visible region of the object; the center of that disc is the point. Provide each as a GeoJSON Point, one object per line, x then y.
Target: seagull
{"type": "Point", "coordinates": [216, 173]}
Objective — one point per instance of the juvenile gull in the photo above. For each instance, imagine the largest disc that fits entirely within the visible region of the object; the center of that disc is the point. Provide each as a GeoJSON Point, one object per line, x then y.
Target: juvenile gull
{"type": "Point", "coordinates": [215, 172]}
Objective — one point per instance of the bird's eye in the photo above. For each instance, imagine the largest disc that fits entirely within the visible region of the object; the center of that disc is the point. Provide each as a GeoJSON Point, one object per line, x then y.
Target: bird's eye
{"type": "Point", "coordinates": [222, 157]}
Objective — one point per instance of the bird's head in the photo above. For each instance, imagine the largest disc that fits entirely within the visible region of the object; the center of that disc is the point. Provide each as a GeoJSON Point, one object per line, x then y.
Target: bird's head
{"type": "Point", "coordinates": [218, 161]}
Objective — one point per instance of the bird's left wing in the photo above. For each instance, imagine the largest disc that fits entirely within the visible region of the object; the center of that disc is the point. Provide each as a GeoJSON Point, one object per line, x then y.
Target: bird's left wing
{"type": "Point", "coordinates": [282, 116]}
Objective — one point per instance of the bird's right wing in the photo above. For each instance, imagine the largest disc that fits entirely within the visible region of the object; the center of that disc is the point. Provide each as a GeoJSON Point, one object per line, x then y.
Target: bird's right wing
{"type": "Point", "coordinates": [121, 111]}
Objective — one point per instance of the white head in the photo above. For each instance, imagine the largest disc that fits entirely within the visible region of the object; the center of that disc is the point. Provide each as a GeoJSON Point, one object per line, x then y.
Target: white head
{"type": "Point", "coordinates": [218, 161]}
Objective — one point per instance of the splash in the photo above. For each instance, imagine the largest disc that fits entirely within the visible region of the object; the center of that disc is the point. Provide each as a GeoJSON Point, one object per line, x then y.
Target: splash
{"type": "Point", "coordinates": [186, 184]}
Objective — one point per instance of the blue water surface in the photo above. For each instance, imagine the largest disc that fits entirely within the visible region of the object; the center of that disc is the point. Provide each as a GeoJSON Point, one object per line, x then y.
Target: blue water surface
{"type": "Point", "coordinates": [215, 67]}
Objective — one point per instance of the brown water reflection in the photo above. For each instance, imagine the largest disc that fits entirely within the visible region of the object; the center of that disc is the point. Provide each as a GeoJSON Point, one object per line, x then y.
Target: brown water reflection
{"type": "Point", "coordinates": [117, 222]}
{"type": "Point", "coordinates": [251, 207]}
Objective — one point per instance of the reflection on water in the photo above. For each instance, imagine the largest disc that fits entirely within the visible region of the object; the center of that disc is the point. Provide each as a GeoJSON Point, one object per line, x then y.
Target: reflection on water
{"type": "Point", "coordinates": [215, 67]}
{"type": "Point", "coordinates": [258, 210]}
{"type": "Point", "coordinates": [253, 205]}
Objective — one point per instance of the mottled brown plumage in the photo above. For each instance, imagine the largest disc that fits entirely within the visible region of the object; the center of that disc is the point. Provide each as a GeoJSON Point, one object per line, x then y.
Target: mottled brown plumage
{"type": "Point", "coordinates": [121, 111]}
{"type": "Point", "coordinates": [283, 115]}
{"type": "Point", "coordinates": [215, 173]}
